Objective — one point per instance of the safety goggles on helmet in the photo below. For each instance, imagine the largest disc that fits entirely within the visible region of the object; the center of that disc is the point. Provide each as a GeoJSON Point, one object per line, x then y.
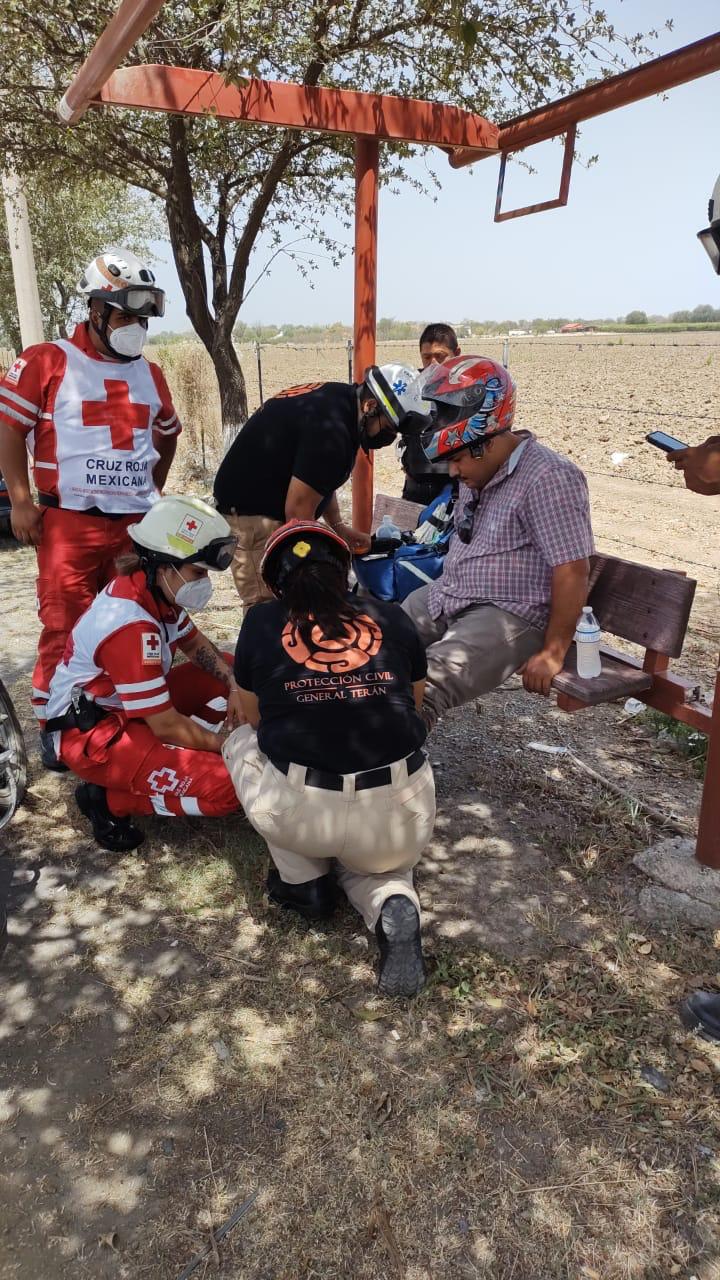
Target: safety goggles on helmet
{"type": "Point", "coordinates": [133, 300]}
{"type": "Point", "coordinates": [217, 554]}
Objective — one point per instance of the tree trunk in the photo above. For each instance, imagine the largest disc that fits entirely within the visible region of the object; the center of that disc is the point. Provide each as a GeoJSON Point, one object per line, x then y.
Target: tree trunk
{"type": "Point", "coordinates": [231, 383]}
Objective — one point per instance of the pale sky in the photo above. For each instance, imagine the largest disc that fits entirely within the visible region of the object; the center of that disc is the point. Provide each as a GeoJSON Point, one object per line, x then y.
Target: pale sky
{"type": "Point", "coordinates": [626, 239]}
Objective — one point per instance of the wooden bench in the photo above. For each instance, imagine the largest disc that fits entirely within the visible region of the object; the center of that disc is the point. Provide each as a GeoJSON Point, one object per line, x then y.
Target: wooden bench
{"type": "Point", "coordinates": [650, 608]}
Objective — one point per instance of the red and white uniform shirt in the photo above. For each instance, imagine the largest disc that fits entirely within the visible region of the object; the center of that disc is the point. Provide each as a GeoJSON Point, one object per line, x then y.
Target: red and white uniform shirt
{"type": "Point", "coordinates": [89, 423]}
{"type": "Point", "coordinates": [121, 650]}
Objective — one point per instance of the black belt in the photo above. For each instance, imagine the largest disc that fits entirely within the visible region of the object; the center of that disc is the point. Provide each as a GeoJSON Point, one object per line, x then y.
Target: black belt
{"type": "Point", "coordinates": [49, 500]}
{"type": "Point", "coordinates": [381, 777]}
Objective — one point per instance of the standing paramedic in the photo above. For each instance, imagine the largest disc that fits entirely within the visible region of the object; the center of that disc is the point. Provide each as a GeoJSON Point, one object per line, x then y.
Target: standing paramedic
{"type": "Point", "coordinates": [98, 421]}
{"type": "Point", "coordinates": [119, 713]}
{"type": "Point", "coordinates": [424, 480]}
{"type": "Point", "coordinates": [294, 453]}
{"type": "Point", "coordinates": [336, 779]}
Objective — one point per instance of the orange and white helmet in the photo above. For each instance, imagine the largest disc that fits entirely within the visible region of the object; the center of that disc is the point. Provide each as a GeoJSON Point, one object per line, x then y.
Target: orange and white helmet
{"type": "Point", "coordinates": [121, 279]}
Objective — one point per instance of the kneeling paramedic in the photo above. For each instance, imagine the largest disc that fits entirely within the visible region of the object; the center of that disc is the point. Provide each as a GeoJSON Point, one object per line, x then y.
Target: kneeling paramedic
{"type": "Point", "coordinates": [120, 714]}
{"type": "Point", "coordinates": [336, 780]}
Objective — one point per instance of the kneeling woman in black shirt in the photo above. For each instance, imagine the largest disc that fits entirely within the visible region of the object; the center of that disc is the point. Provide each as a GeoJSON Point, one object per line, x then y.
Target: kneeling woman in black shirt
{"type": "Point", "coordinates": [336, 779]}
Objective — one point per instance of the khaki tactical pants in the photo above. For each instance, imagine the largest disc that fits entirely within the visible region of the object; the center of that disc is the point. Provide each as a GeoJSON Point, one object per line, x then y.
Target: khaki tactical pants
{"type": "Point", "coordinates": [375, 836]}
{"type": "Point", "coordinates": [252, 533]}
{"type": "Point", "coordinates": [470, 654]}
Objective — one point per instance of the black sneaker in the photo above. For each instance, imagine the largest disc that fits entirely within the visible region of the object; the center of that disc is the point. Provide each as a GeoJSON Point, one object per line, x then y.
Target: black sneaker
{"type": "Point", "coordinates": [117, 834]}
{"type": "Point", "coordinates": [48, 755]}
{"type": "Point", "coordinates": [313, 900]}
{"type": "Point", "coordinates": [701, 1012]}
{"type": "Point", "coordinates": [402, 967]}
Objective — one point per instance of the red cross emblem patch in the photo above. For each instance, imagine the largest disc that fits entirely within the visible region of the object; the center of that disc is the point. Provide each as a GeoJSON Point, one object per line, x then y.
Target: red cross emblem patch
{"type": "Point", "coordinates": [190, 528]}
{"type": "Point", "coordinates": [151, 648]}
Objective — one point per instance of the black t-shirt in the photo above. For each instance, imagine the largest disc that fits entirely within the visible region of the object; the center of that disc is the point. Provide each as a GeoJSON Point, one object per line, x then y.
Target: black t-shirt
{"type": "Point", "coordinates": [310, 432]}
{"type": "Point", "coordinates": [342, 707]}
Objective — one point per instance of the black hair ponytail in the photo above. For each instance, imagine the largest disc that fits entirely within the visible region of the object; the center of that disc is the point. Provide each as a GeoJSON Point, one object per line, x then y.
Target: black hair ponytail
{"type": "Point", "coordinates": [315, 595]}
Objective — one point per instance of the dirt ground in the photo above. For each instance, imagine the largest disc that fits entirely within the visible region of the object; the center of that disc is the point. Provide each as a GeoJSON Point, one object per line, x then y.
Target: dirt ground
{"type": "Point", "coordinates": [170, 1046]}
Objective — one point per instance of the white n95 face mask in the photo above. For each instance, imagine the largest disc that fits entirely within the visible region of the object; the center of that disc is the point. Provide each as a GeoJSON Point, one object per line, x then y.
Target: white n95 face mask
{"type": "Point", "coordinates": [194, 596]}
{"type": "Point", "coordinates": [128, 340]}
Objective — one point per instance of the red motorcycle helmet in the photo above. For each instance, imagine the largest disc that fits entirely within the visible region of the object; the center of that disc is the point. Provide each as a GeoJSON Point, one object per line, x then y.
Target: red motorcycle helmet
{"type": "Point", "coordinates": [473, 398]}
{"type": "Point", "coordinates": [295, 542]}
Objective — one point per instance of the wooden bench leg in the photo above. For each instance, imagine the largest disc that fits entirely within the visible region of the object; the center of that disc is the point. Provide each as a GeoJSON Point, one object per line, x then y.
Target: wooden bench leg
{"type": "Point", "coordinates": [567, 703]}
{"type": "Point", "coordinates": [707, 850]}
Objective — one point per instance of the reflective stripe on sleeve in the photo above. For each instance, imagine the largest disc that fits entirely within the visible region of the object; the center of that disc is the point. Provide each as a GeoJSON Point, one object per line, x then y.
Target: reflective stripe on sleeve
{"type": "Point", "coordinates": [9, 412]}
{"type": "Point", "coordinates": [144, 704]}
{"type": "Point", "coordinates": [20, 400]}
{"type": "Point", "coordinates": [141, 686]}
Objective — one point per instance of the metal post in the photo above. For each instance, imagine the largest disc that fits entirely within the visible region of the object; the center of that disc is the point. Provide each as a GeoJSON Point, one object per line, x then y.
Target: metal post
{"type": "Point", "coordinates": [130, 20]}
{"type": "Point", "coordinates": [349, 345]}
{"type": "Point", "coordinates": [258, 357]}
{"type": "Point", "coordinates": [367, 161]}
{"type": "Point", "coordinates": [708, 842]}
{"type": "Point", "coordinates": [23, 261]}
{"type": "Point", "coordinates": [506, 353]}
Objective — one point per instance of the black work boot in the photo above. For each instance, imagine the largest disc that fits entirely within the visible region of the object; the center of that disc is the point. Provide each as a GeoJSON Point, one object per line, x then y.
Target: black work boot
{"type": "Point", "coordinates": [701, 1012]}
{"type": "Point", "coordinates": [313, 900]}
{"type": "Point", "coordinates": [117, 834]}
{"type": "Point", "coordinates": [48, 755]}
{"type": "Point", "coordinates": [402, 967]}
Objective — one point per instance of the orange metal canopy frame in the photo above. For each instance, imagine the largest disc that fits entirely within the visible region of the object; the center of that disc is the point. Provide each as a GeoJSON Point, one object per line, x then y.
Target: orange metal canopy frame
{"type": "Point", "coordinates": [371, 118]}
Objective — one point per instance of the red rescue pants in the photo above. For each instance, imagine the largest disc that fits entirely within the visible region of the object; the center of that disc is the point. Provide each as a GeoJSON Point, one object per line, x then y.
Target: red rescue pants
{"type": "Point", "coordinates": [76, 559]}
{"type": "Point", "coordinates": [142, 774]}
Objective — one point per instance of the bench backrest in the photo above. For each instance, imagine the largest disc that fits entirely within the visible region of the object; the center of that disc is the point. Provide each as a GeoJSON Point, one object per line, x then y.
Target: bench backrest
{"type": "Point", "coordinates": [403, 513]}
{"type": "Point", "coordinates": [646, 606]}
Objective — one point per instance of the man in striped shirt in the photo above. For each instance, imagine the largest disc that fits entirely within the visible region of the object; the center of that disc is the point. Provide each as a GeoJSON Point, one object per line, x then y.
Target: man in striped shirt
{"type": "Point", "coordinates": [98, 422]}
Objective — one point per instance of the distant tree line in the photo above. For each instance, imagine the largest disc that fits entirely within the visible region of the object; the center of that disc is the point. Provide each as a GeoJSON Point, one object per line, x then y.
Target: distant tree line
{"type": "Point", "coordinates": [391, 330]}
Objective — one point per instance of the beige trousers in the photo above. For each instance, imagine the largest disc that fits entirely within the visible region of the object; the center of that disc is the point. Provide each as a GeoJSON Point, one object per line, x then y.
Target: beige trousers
{"type": "Point", "coordinates": [252, 533]}
{"type": "Point", "coordinates": [374, 836]}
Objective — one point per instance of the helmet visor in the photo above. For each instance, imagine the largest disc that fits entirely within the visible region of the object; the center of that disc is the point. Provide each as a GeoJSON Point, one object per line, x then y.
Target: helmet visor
{"type": "Point", "coordinates": [134, 300]}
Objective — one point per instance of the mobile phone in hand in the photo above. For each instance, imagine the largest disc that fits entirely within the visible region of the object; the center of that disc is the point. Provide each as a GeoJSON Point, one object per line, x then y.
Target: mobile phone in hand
{"type": "Point", "coordinates": [665, 442]}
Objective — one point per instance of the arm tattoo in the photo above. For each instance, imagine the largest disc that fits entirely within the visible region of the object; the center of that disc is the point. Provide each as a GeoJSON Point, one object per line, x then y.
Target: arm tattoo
{"type": "Point", "coordinates": [212, 661]}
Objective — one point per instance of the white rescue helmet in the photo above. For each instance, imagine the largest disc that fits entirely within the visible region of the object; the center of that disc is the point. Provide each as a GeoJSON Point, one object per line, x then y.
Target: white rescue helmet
{"type": "Point", "coordinates": [183, 531]}
{"type": "Point", "coordinates": [120, 279]}
{"type": "Point", "coordinates": [398, 391]}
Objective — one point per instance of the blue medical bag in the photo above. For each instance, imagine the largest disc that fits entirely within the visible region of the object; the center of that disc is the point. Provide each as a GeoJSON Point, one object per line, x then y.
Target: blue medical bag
{"type": "Point", "coordinates": [394, 576]}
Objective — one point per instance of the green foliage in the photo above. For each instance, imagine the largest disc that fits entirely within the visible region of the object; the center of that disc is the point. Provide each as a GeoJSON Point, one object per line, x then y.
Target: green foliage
{"type": "Point", "coordinates": [688, 741]}
{"type": "Point", "coordinates": [70, 223]}
{"type": "Point", "coordinates": [636, 317]}
{"type": "Point", "coordinates": [222, 184]}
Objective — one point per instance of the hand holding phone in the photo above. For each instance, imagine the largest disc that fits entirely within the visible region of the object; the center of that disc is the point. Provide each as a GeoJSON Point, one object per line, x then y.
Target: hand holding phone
{"type": "Point", "coordinates": [663, 441]}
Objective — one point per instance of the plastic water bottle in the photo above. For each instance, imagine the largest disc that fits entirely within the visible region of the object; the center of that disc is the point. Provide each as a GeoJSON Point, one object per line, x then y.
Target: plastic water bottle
{"type": "Point", "coordinates": [387, 529]}
{"type": "Point", "coordinates": [587, 645]}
